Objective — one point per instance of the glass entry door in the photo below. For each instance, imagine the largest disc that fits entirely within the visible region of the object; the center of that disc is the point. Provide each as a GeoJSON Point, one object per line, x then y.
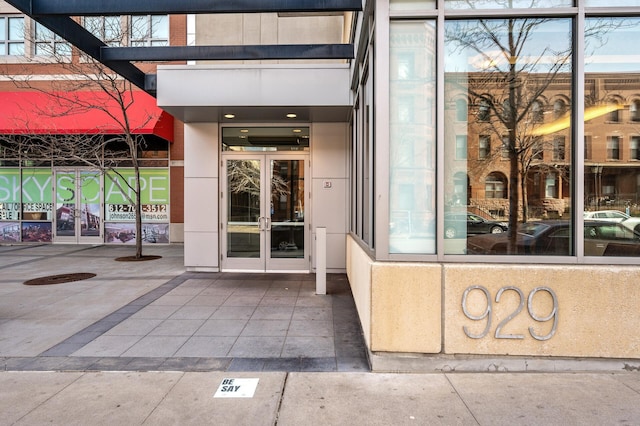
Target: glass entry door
{"type": "Point", "coordinates": [264, 201]}
{"type": "Point", "coordinates": [78, 198]}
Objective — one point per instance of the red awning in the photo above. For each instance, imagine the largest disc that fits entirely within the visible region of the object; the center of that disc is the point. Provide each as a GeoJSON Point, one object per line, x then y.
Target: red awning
{"type": "Point", "coordinates": [81, 113]}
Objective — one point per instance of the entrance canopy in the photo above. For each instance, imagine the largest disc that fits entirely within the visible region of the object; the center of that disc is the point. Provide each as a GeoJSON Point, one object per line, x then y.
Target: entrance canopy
{"type": "Point", "coordinates": [86, 112]}
{"type": "Point", "coordinates": [256, 93]}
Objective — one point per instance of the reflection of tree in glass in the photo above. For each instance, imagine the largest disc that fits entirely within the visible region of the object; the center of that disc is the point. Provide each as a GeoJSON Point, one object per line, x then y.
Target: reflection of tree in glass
{"type": "Point", "coordinates": [244, 178]}
{"type": "Point", "coordinates": [505, 4]}
{"type": "Point", "coordinates": [516, 63]}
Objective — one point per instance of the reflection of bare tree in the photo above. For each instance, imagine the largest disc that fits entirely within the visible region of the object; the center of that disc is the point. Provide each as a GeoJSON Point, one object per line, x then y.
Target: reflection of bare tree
{"type": "Point", "coordinates": [244, 178]}
{"type": "Point", "coordinates": [515, 71]}
{"type": "Point", "coordinates": [504, 4]}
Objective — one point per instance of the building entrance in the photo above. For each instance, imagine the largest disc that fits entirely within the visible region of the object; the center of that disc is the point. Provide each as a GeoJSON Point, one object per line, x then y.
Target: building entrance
{"type": "Point", "coordinates": [78, 203]}
{"type": "Point", "coordinates": [264, 200]}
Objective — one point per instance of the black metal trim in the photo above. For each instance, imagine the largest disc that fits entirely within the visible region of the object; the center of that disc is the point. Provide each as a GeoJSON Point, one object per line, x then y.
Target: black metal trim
{"type": "Point", "coordinates": [56, 16]}
{"type": "Point", "coordinates": [168, 7]}
{"type": "Point", "coordinates": [245, 52]}
{"type": "Point", "coordinates": [78, 36]}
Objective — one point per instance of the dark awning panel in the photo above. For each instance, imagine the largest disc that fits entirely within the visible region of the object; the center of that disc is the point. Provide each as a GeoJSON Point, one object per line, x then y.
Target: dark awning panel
{"type": "Point", "coordinates": [81, 113]}
{"type": "Point", "coordinates": [150, 7]}
{"type": "Point", "coordinates": [57, 15]}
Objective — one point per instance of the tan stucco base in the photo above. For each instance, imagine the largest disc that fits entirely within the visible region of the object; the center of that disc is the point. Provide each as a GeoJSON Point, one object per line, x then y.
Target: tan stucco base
{"type": "Point", "coordinates": [416, 308]}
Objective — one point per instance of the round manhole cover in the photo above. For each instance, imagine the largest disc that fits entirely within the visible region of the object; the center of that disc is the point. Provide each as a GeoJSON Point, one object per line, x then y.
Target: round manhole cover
{"type": "Point", "coordinates": [59, 279]}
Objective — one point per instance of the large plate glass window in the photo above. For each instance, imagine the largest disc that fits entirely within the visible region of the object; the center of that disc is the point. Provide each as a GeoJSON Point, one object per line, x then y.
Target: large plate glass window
{"type": "Point", "coordinates": [612, 137]}
{"type": "Point", "coordinates": [511, 192]}
{"type": "Point", "coordinates": [412, 137]}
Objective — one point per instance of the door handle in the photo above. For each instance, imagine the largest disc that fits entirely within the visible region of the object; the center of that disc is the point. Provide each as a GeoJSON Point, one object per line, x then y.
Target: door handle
{"type": "Point", "coordinates": [268, 224]}
{"type": "Point", "coordinates": [260, 226]}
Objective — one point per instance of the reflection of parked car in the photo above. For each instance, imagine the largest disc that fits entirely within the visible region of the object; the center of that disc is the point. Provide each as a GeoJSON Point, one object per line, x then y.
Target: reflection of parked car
{"type": "Point", "coordinates": [457, 225]}
{"type": "Point", "coordinates": [554, 238]}
{"type": "Point", "coordinates": [614, 216]}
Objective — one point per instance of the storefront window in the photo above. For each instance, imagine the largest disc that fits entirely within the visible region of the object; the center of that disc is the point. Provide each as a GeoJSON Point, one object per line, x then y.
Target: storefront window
{"type": "Point", "coordinates": [10, 193]}
{"type": "Point", "coordinates": [611, 171]}
{"type": "Point", "coordinates": [514, 72]}
{"type": "Point", "coordinates": [36, 194]}
{"type": "Point", "coordinates": [412, 137]}
{"type": "Point", "coordinates": [120, 213]}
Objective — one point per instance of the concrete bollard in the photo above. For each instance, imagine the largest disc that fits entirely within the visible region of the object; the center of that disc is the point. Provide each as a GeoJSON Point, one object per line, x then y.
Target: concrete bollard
{"type": "Point", "coordinates": [321, 260]}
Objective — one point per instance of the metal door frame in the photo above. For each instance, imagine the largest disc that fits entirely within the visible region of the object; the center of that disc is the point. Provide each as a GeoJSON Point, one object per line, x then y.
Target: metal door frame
{"type": "Point", "coordinates": [264, 263]}
{"type": "Point", "coordinates": [77, 238]}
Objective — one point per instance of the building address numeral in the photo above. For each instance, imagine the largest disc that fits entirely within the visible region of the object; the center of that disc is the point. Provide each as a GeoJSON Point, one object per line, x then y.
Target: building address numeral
{"type": "Point", "coordinates": [486, 315]}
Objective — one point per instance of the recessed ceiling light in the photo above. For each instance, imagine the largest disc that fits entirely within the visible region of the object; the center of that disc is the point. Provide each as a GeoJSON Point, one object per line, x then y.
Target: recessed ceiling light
{"type": "Point", "coordinates": [292, 115]}
{"type": "Point", "coordinates": [297, 131]}
{"type": "Point", "coordinates": [244, 131]}
{"type": "Point", "coordinates": [229, 116]}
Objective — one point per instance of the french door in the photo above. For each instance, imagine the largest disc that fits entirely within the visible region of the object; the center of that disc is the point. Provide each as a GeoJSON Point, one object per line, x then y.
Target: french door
{"type": "Point", "coordinates": [263, 206]}
{"type": "Point", "coordinates": [78, 198]}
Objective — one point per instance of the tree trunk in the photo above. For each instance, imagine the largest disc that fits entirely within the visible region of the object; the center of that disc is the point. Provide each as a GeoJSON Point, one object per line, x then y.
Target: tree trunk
{"type": "Point", "coordinates": [523, 191]}
{"type": "Point", "coordinates": [513, 200]}
{"type": "Point", "coordinates": [138, 200]}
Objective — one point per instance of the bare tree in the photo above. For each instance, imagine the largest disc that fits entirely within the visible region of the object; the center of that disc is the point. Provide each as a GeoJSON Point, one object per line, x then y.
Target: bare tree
{"type": "Point", "coordinates": [517, 73]}
{"type": "Point", "coordinates": [82, 73]}
{"type": "Point", "coordinates": [244, 178]}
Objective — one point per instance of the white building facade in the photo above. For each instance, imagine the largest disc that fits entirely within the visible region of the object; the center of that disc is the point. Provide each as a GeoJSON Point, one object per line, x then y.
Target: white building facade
{"type": "Point", "coordinates": [458, 164]}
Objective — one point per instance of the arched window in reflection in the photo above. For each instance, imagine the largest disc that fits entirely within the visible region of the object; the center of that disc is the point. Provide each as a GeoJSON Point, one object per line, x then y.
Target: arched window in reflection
{"type": "Point", "coordinates": [537, 112]}
{"type": "Point", "coordinates": [495, 185]}
{"type": "Point", "coordinates": [614, 116]}
{"type": "Point", "coordinates": [559, 108]}
{"type": "Point", "coordinates": [461, 110]}
{"type": "Point", "coordinates": [483, 110]}
{"type": "Point", "coordinates": [506, 110]}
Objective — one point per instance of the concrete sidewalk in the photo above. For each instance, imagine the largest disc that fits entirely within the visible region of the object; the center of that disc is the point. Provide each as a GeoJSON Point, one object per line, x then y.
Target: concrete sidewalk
{"type": "Point", "coordinates": [293, 399]}
{"type": "Point", "coordinates": [152, 315]}
{"type": "Point", "coordinates": [148, 343]}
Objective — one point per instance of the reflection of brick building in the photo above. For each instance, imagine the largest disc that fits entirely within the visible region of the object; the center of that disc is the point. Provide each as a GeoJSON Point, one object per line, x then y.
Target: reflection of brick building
{"type": "Point", "coordinates": [612, 148]}
{"type": "Point", "coordinates": [612, 142]}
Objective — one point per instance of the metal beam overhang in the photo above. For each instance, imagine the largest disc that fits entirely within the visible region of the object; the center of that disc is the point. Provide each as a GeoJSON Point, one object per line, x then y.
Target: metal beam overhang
{"type": "Point", "coordinates": [164, 7]}
{"type": "Point", "coordinates": [245, 52]}
{"type": "Point", "coordinates": [78, 36]}
{"type": "Point", "coordinates": [57, 15]}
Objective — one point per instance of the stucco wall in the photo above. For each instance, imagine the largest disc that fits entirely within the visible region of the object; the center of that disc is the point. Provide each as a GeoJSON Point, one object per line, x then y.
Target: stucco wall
{"type": "Point", "coordinates": [329, 178]}
{"type": "Point", "coordinates": [406, 297]}
{"type": "Point", "coordinates": [497, 309]}
{"type": "Point", "coordinates": [597, 310]}
{"type": "Point", "coordinates": [201, 204]}
{"type": "Point", "coordinates": [359, 274]}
